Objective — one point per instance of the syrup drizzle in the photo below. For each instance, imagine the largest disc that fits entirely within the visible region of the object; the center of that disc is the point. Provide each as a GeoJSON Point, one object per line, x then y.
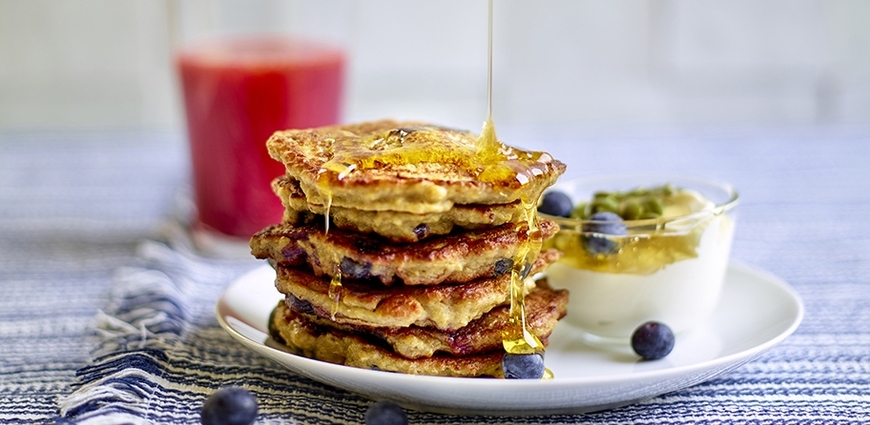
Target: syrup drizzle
{"type": "Point", "coordinates": [517, 339]}
{"type": "Point", "coordinates": [484, 158]}
{"type": "Point", "coordinates": [334, 292]}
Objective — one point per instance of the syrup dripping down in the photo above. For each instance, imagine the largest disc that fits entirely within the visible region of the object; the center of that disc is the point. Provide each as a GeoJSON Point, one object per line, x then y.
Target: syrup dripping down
{"type": "Point", "coordinates": [517, 339]}
{"type": "Point", "coordinates": [334, 292]}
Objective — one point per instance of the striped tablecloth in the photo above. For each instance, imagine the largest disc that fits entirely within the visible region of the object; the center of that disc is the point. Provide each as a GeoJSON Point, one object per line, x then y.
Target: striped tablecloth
{"type": "Point", "coordinates": [107, 316]}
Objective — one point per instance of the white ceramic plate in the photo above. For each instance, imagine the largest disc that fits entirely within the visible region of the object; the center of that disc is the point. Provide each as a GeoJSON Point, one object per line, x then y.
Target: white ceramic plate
{"type": "Point", "coordinates": [757, 311]}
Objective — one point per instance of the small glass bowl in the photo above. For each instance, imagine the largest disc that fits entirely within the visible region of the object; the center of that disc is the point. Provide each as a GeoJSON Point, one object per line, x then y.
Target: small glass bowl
{"type": "Point", "coordinates": [668, 269]}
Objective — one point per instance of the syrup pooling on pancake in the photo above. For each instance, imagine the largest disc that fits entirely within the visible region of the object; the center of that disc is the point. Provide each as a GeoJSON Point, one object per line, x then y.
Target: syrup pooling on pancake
{"type": "Point", "coordinates": [405, 148]}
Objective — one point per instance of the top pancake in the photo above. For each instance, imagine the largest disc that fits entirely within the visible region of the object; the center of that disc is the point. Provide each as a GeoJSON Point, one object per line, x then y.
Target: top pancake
{"type": "Point", "coordinates": [408, 166]}
{"type": "Point", "coordinates": [397, 226]}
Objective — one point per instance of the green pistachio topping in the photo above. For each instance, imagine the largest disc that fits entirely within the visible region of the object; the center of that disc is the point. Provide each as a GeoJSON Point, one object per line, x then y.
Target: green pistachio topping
{"type": "Point", "coordinates": [639, 203]}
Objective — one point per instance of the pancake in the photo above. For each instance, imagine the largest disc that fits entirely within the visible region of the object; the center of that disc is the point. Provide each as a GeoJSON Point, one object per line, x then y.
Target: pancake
{"type": "Point", "coordinates": [415, 273]}
{"type": "Point", "coordinates": [368, 303]}
{"type": "Point", "coordinates": [408, 167]}
{"type": "Point", "coordinates": [335, 346]}
{"type": "Point", "coordinates": [396, 225]}
{"type": "Point", "coordinates": [543, 305]}
{"type": "Point", "coordinates": [459, 257]}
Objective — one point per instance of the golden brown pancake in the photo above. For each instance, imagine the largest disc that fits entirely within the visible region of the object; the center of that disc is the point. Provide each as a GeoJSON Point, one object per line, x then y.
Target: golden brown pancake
{"type": "Point", "coordinates": [407, 166]}
{"type": "Point", "coordinates": [396, 225]}
{"type": "Point", "coordinates": [335, 346]}
{"type": "Point", "coordinates": [367, 303]}
{"type": "Point", "coordinates": [415, 273]}
{"type": "Point", "coordinates": [458, 257]}
{"type": "Point", "coordinates": [543, 305]}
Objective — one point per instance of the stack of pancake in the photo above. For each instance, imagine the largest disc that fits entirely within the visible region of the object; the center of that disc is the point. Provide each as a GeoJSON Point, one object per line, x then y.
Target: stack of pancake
{"type": "Point", "coordinates": [398, 246]}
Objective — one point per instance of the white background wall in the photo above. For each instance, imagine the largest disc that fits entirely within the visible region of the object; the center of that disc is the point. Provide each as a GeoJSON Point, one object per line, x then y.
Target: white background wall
{"type": "Point", "coordinates": [108, 63]}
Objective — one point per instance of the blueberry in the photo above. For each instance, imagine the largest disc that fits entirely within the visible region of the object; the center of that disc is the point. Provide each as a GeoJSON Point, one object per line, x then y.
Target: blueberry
{"type": "Point", "coordinates": [355, 269]}
{"type": "Point", "coordinates": [229, 406]}
{"type": "Point", "coordinates": [602, 223]}
{"type": "Point", "coordinates": [606, 223]}
{"type": "Point", "coordinates": [421, 231]}
{"type": "Point", "coordinates": [301, 305]}
{"type": "Point", "coordinates": [503, 266]}
{"type": "Point", "coordinates": [599, 245]}
{"type": "Point", "coordinates": [523, 366]}
{"type": "Point", "coordinates": [386, 413]}
{"type": "Point", "coordinates": [652, 340]}
{"type": "Point", "coordinates": [556, 203]}
{"type": "Point", "coordinates": [293, 255]}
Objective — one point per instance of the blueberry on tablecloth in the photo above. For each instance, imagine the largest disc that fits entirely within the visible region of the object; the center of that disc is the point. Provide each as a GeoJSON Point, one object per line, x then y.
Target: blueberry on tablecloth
{"type": "Point", "coordinates": [229, 406]}
{"type": "Point", "coordinates": [386, 413]}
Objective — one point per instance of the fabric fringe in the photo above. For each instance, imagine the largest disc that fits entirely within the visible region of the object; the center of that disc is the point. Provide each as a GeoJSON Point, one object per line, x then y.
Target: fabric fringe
{"type": "Point", "coordinates": [148, 314]}
{"type": "Point", "coordinates": [148, 317]}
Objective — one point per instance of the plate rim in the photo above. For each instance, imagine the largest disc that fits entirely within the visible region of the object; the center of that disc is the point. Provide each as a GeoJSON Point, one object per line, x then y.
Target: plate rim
{"type": "Point", "coordinates": [721, 364]}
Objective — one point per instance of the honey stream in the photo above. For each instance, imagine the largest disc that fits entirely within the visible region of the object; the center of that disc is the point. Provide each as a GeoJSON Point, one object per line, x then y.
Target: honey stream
{"type": "Point", "coordinates": [484, 158]}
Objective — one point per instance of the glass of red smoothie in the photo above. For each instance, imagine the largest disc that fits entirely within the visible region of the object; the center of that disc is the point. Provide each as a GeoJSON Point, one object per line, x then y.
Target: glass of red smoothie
{"type": "Point", "coordinates": [237, 92]}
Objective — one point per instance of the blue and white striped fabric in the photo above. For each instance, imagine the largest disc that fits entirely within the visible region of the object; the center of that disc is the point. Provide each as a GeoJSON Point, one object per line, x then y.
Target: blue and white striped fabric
{"type": "Point", "coordinates": [108, 315]}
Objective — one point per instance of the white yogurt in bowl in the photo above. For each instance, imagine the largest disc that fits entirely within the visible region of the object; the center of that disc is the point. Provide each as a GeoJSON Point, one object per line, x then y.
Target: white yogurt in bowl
{"type": "Point", "coordinates": [668, 268]}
